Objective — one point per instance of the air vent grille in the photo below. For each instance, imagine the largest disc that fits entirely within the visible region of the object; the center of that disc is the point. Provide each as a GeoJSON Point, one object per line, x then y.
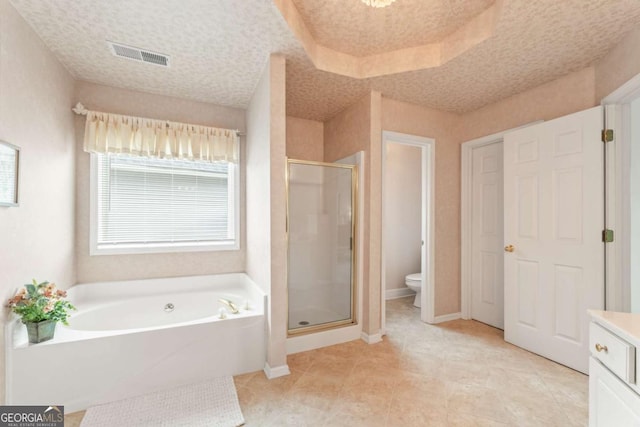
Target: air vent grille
{"type": "Point", "coordinates": [133, 53]}
{"type": "Point", "coordinates": [154, 58]}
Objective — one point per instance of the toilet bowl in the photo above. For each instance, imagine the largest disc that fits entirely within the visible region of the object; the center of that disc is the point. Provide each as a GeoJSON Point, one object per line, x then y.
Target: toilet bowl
{"type": "Point", "coordinates": [414, 282]}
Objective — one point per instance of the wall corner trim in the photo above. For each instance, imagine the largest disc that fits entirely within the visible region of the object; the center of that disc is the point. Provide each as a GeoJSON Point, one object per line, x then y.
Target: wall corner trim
{"type": "Point", "coordinates": [276, 372]}
{"type": "Point", "coordinates": [447, 317]}
{"type": "Point", "coordinates": [398, 293]}
{"type": "Point", "coordinates": [371, 338]}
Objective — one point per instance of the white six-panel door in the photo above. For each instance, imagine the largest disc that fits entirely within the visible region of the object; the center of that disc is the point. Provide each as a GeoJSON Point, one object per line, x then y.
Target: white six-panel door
{"type": "Point", "coordinates": [554, 202]}
{"type": "Point", "coordinates": [487, 293]}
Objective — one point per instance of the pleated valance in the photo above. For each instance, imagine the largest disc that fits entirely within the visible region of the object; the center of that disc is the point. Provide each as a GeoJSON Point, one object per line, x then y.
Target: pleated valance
{"type": "Point", "coordinates": [138, 136]}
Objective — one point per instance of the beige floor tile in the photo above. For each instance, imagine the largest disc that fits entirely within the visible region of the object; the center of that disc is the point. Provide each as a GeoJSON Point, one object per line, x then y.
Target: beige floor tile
{"type": "Point", "coordinates": [315, 391]}
{"type": "Point", "coordinates": [350, 419]}
{"type": "Point", "coordinates": [406, 412]}
{"type": "Point", "coordinates": [481, 401]}
{"type": "Point", "coordinates": [420, 363]}
{"type": "Point", "coordinates": [242, 380]}
{"type": "Point", "coordinates": [456, 419]}
{"type": "Point", "coordinates": [277, 386]}
{"type": "Point", "coordinates": [332, 366]}
{"type": "Point", "coordinates": [517, 384]}
{"type": "Point", "coordinates": [301, 361]}
{"type": "Point", "coordinates": [294, 414]}
{"type": "Point", "coordinates": [258, 407]}
{"type": "Point", "coordinates": [571, 385]}
{"type": "Point", "coordinates": [465, 373]}
{"type": "Point", "coordinates": [458, 374]}
{"type": "Point", "coordinates": [365, 409]}
{"type": "Point", "coordinates": [536, 411]}
{"type": "Point", "coordinates": [351, 350]}
{"type": "Point", "coordinates": [424, 390]}
{"type": "Point", "coordinates": [374, 378]}
{"type": "Point", "coordinates": [576, 412]}
{"type": "Point", "coordinates": [548, 368]}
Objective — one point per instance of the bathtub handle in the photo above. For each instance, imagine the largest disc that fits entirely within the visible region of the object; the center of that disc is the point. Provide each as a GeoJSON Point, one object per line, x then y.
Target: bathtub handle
{"type": "Point", "coordinates": [230, 304]}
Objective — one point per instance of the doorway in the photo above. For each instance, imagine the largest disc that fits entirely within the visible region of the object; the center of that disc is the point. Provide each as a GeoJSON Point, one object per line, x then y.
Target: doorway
{"type": "Point", "coordinates": [407, 219]}
{"type": "Point", "coordinates": [622, 116]}
{"type": "Point", "coordinates": [487, 231]}
{"type": "Point", "coordinates": [482, 224]}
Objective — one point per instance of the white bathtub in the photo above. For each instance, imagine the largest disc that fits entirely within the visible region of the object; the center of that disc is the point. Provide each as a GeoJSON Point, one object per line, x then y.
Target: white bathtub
{"type": "Point", "coordinates": [122, 342]}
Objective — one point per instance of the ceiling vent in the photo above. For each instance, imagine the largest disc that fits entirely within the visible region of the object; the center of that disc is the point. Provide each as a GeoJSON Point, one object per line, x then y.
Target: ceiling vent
{"type": "Point", "coordinates": [135, 54]}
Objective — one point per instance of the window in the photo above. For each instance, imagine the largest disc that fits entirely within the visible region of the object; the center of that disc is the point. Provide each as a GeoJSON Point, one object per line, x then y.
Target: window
{"type": "Point", "coordinates": [142, 205]}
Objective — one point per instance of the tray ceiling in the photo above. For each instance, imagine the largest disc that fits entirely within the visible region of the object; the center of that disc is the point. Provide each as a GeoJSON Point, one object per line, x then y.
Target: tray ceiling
{"type": "Point", "coordinates": [352, 27]}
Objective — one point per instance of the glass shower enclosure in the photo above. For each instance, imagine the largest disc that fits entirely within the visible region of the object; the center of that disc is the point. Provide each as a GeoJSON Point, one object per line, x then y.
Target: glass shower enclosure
{"type": "Point", "coordinates": [321, 212]}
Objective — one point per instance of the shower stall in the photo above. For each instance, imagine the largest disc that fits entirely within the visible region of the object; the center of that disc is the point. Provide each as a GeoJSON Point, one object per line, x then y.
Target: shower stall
{"type": "Point", "coordinates": [321, 229]}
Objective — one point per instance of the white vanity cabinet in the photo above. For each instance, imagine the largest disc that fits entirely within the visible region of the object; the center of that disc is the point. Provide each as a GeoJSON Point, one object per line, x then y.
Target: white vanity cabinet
{"type": "Point", "coordinates": [614, 394]}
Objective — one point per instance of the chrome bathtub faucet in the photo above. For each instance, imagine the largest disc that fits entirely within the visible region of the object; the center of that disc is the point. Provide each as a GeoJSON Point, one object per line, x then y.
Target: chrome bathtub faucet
{"type": "Point", "coordinates": [234, 308]}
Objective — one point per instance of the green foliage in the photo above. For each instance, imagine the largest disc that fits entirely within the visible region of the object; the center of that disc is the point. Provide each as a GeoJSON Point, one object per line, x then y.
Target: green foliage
{"type": "Point", "coordinates": [41, 301]}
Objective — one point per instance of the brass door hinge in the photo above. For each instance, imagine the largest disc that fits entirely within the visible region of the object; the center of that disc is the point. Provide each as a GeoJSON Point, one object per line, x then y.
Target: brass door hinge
{"type": "Point", "coordinates": [607, 135]}
{"type": "Point", "coordinates": [607, 235]}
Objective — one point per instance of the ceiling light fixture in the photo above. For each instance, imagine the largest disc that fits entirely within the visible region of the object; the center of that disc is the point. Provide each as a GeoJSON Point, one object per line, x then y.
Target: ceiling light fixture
{"type": "Point", "coordinates": [378, 3]}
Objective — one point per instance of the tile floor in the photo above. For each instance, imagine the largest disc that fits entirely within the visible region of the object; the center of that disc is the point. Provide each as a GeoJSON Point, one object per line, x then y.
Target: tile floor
{"type": "Point", "coordinates": [458, 373]}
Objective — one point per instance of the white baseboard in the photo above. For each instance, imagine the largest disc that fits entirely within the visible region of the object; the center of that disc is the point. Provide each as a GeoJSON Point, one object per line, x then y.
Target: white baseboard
{"type": "Point", "coordinates": [447, 317]}
{"type": "Point", "coordinates": [323, 339]}
{"type": "Point", "coordinates": [371, 339]}
{"type": "Point", "coordinates": [398, 293]}
{"type": "Point", "coordinates": [278, 371]}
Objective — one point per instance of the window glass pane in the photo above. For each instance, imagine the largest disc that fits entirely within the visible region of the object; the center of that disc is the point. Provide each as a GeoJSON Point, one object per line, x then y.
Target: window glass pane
{"type": "Point", "coordinates": [143, 200]}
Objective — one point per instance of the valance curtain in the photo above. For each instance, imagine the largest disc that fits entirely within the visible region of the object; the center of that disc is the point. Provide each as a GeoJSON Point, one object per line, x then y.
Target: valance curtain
{"type": "Point", "coordinates": [114, 133]}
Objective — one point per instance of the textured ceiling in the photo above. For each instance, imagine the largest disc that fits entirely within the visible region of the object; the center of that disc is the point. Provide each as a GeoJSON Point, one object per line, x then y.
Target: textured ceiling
{"type": "Point", "coordinates": [219, 49]}
{"type": "Point", "coordinates": [352, 27]}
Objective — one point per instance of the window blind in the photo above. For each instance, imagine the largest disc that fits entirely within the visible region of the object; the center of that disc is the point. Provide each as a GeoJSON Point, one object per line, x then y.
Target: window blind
{"type": "Point", "coordinates": [8, 174]}
{"type": "Point", "coordinates": [161, 201]}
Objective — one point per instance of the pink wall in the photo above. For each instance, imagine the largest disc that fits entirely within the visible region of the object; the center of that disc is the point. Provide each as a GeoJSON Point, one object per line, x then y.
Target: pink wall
{"type": "Point", "coordinates": [568, 94]}
{"type": "Point", "coordinates": [347, 133]}
{"type": "Point", "coordinates": [402, 208]}
{"type": "Point", "coordinates": [142, 266]}
{"type": "Point", "coordinates": [412, 119]}
{"type": "Point", "coordinates": [35, 114]}
{"type": "Point", "coordinates": [277, 352]}
{"type": "Point", "coordinates": [305, 139]}
{"type": "Point", "coordinates": [266, 203]}
{"type": "Point", "coordinates": [619, 65]}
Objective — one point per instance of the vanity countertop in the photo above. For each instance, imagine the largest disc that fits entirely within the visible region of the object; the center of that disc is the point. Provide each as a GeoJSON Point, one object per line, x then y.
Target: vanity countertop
{"type": "Point", "coordinates": [625, 325]}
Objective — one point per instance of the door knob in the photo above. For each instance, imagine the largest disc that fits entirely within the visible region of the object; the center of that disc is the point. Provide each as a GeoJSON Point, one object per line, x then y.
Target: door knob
{"type": "Point", "coordinates": [509, 248]}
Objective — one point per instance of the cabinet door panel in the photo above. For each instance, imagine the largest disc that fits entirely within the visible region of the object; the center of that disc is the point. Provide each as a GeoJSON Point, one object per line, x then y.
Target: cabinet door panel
{"type": "Point", "coordinates": [611, 402]}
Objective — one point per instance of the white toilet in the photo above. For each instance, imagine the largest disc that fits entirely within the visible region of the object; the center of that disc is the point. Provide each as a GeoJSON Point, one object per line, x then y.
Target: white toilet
{"type": "Point", "coordinates": [414, 282]}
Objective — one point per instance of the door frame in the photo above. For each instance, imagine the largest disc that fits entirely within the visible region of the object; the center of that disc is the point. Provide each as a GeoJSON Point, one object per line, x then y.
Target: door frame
{"type": "Point", "coordinates": [617, 212]}
{"type": "Point", "coordinates": [428, 147]}
{"type": "Point", "coordinates": [466, 204]}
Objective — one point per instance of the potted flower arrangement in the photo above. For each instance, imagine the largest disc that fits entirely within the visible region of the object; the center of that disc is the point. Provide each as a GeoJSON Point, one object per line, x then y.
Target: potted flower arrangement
{"type": "Point", "coordinates": [41, 306]}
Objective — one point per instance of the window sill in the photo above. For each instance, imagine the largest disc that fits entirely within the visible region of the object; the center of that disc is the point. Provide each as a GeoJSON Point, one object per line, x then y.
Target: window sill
{"type": "Point", "coordinates": [136, 249]}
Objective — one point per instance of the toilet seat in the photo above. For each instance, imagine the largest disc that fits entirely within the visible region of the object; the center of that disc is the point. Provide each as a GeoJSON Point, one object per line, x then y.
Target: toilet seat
{"type": "Point", "coordinates": [415, 277]}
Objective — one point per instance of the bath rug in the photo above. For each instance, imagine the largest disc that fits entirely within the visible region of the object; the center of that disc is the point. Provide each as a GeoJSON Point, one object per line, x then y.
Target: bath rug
{"type": "Point", "coordinates": [206, 404]}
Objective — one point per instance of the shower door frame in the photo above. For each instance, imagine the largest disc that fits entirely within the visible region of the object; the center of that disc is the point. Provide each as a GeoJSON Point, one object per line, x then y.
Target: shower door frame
{"type": "Point", "coordinates": [353, 320]}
